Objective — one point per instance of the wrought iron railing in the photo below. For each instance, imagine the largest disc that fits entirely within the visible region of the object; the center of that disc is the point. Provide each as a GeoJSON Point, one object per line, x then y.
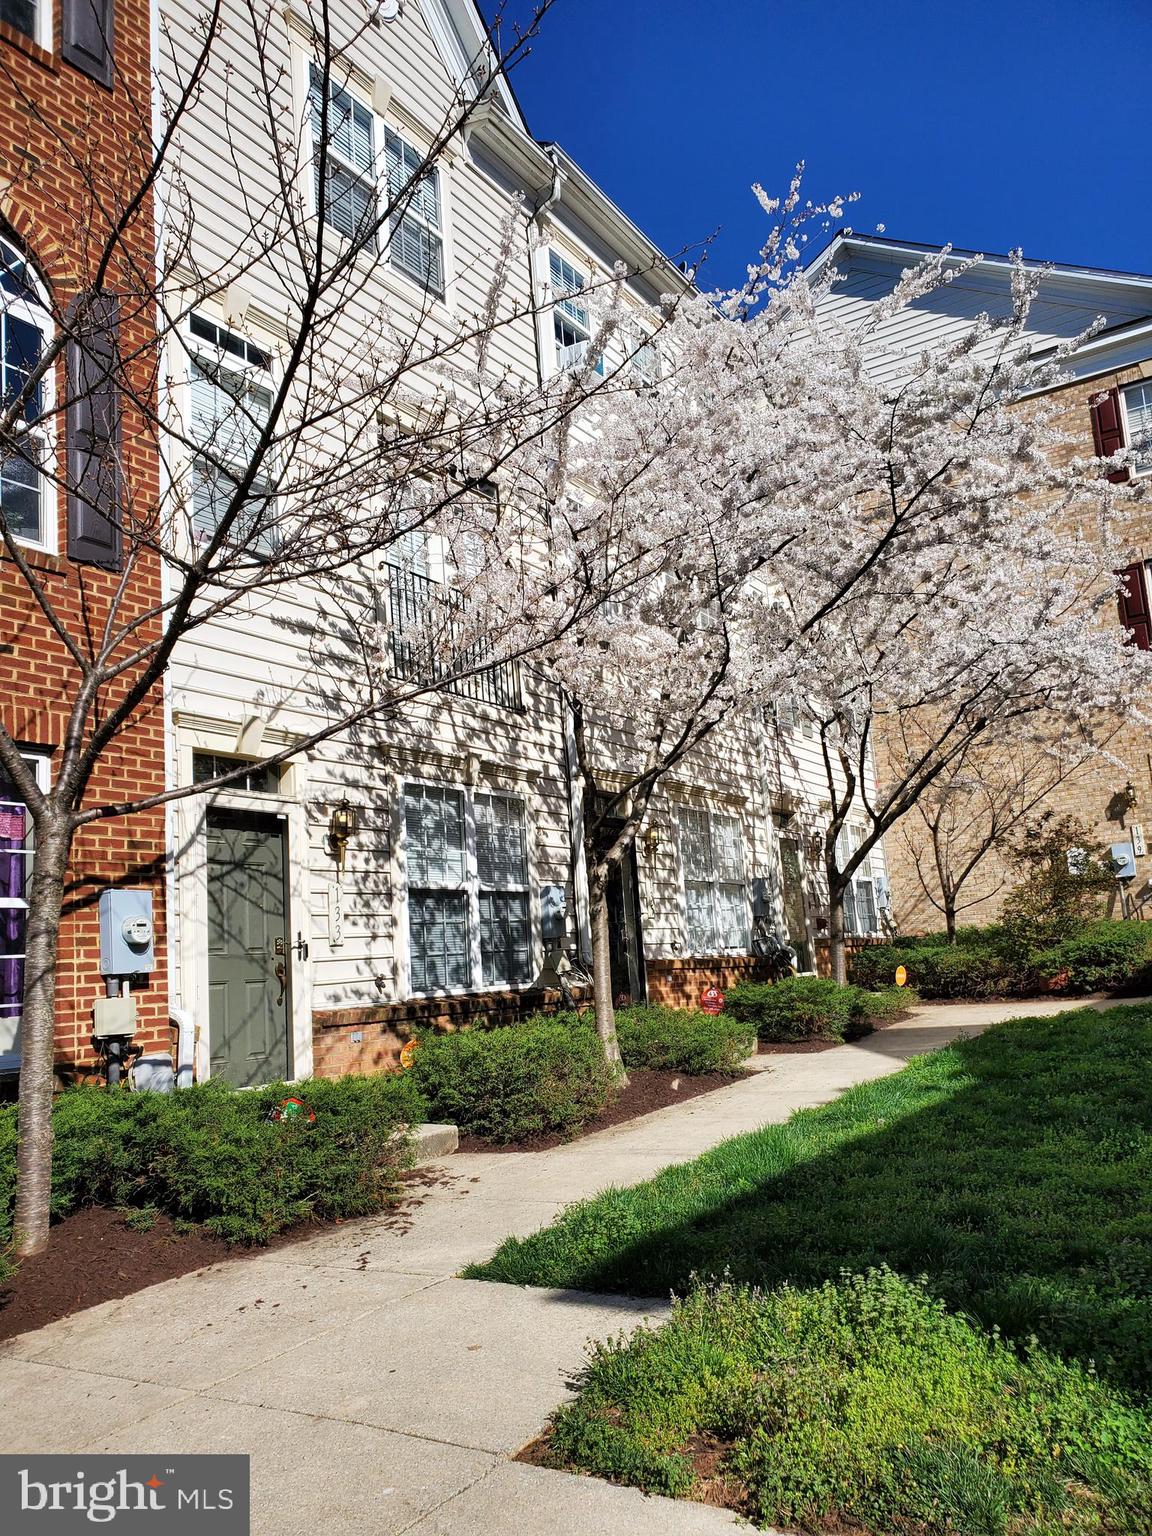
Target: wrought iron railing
{"type": "Point", "coordinates": [414, 625]}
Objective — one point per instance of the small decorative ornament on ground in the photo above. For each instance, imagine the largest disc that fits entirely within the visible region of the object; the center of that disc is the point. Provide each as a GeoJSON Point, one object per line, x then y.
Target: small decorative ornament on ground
{"type": "Point", "coordinates": [292, 1109]}
{"type": "Point", "coordinates": [712, 1000]}
{"type": "Point", "coordinates": [901, 976]}
{"type": "Point", "coordinates": [408, 1053]}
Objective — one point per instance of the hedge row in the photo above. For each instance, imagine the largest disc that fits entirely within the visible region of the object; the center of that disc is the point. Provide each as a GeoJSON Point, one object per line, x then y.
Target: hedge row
{"type": "Point", "coordinates": [210, 1154]}
{"type": "Point", "coordinates": [547, 1075]}
{"type": "Point", "coordinates": [993, 962]}
{"type": "Point", "coordinates": [814, 1008]}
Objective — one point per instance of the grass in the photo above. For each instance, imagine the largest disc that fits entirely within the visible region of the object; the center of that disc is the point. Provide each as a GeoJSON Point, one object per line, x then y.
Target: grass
{"type": "Point", "coordinates": [1012, 1171]}
{"type": "Point", "coordinates": [859, 1402]}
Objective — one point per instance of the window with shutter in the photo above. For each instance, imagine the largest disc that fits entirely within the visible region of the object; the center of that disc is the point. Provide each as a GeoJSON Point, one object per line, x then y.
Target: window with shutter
{"type": "Point", "coordinates": [31, 17]}
{"type": "Point", "coordinates": [16, 854]}
{"type": "Point", "coordinates": [861, 913]}
{"type": "Point", "coordinates": [26, 498]}
{"type": "Point", "coordinates": [93, 433]}
{"type": "Point", "coordinates": [1134, 604]}
{"type": "Point", "coordinates": [87, 37]}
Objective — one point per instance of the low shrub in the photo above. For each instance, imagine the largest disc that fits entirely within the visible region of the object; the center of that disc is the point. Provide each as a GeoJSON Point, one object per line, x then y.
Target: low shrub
{"type": "Point", "coordinates": [683, 1040]}
{"type": "Point", "coordinates": [861, 1402]}
{"type": "Point", "coordinates": [542, 1076]}
{"type": "Point", "coordinates": [995, 962]}
{"type": "Point", "coordinates": [812, 1008]}
{"type": "Point", "coordinates": [210, 1154]}
{"type": "Point", "coordinates": [1106, 954]}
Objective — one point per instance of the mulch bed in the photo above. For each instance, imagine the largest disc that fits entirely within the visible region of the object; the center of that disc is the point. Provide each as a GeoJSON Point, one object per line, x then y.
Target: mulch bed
{"type": "Point", "coordinates": [92, 1256]}
{"type": "Point", "coordinates": [647, 1090]}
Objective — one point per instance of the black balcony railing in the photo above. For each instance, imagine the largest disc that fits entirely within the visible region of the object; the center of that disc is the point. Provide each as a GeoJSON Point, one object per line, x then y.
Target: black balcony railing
{"type": "Point", "coordinates": [420, 609]}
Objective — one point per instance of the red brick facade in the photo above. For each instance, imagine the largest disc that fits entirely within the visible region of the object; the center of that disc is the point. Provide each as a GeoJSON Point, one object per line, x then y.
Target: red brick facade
{"type": "Point", "coordinates": [47, 205]}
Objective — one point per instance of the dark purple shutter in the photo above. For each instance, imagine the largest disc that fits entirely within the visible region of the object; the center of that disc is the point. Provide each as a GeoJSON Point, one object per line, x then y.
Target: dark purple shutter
{"type": "Point", "coordinates": [87, 37]}
{"type": "Point", "coordinates": [1134, 613]}
{"type": "Point", "coordinates": [1108, 429]}
{"type": "Point", "coordinates": [93, 429]}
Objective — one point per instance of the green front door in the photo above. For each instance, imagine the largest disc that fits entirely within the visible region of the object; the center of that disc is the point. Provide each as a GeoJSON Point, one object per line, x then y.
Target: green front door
{"type": "Point", "coordinates": [249, 1003]}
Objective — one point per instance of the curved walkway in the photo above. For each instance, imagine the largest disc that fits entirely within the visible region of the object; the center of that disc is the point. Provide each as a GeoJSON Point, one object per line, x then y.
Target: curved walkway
{"type": "Point", "coordinates": [373, 1390]}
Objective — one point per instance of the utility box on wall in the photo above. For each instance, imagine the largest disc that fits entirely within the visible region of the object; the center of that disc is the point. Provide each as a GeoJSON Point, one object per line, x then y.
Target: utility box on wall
{"type": "Point", "coordinates": [553, 911]}
{"type": "Point", "coordinates": [127, 941]}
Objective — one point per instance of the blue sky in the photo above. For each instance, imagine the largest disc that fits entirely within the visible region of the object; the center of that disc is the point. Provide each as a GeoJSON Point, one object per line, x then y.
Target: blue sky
{"type": "Point", "coordinates": [990, 123]}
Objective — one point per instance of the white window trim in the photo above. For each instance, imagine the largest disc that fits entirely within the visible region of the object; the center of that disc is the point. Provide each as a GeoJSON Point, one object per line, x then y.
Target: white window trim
{"type": "Point", "coordinates": [40, 763]}
{"type": "Point", "coordinates": [42, 30]}
{"type": "Point", "coordinates": [714, 881]}
{"type": "Point", "coordinates": [1137, 469]}
{"type": "Point", "coordinates": [552, 302]}
{"type": "Point", "coordinates": [199, 349]}
{"type": "Point", "coordinates": [393, 121]}
{"type": "Point", "coordinates": [44, 433]}
{"type": "Point", "coordinates": [470, 886]}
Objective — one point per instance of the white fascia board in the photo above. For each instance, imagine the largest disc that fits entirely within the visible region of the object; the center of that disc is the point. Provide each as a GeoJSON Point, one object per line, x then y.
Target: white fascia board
{"type": "Point", "coordinates": [863, 244]}
{"type": "Point", "coordinates": [462, 40]}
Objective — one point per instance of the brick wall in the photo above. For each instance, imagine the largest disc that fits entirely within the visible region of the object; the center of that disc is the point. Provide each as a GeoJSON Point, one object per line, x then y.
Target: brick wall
{"type": "Point", "coordinates": [1091, 795]}
{"type": "Point", "coordinates": [48, 204]}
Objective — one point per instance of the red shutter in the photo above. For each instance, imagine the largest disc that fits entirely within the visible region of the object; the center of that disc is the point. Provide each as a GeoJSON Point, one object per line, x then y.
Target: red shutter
{"type": "Point", "coordinates": [1134, 612]}
{"type": "Point", "coordinates": [1108, 429]}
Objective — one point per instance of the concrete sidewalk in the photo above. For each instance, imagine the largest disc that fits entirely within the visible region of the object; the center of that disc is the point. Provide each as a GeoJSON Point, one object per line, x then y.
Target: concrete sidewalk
{"type": "Point", "coordinates": [372, 1389]}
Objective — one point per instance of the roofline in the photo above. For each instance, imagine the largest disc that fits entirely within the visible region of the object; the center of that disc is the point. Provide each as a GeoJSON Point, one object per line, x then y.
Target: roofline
{"type": "Point", "coordinates": [848, 237]}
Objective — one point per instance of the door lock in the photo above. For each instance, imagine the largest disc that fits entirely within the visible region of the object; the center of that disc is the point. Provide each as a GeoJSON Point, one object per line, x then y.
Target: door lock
{"type": "Point", "coordinates": [278, 945]}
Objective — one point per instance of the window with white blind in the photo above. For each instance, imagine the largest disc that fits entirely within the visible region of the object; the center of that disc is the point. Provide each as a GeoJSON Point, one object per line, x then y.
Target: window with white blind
{"type": "Point", "coordinates": [570, 318]}
{"type": "Point", "coordinates": [345, 168]}
{"type": "Point", "coordinates": [230, 399]}
{"type": "Point", "coordinates": [1137, 400]}
{"type": "Point", "coordinates": [416, 236]}
{"type": "Point", "coordinates": [715, 895]}
{"type": "Point", "coordinates": [25, 327]}
{"type": "Point", "coordinates": [469, 912]}
{"type": "Point", "coordinates": [644, 360]}
{"type": "Point", "coordinates": [861, 909]}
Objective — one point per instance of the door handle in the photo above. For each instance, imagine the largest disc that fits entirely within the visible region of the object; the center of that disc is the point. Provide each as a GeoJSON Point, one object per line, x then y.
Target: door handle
{"type": "Point", "coordinates": [281, 977]}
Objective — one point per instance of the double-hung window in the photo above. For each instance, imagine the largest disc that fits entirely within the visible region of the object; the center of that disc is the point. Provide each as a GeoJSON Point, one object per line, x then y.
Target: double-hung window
{"type": "Point", "coordinates": [570, 317]}
{"type": "Point", "coordinates": [345, 168]}
{"type": "Point", "coordinates": [230, 399]}
{"type": "Point", "coordinates": [715, 899]}
{"type": "Point", "coordinates": [25, 495]}
{"type": "Point", "coordinates": [15, 871]}
{"type": "Point", "coordinates": [1137, 400]}
{"type": "Point", "coordinates": [469, 920]}
{"type": "Point", "coordinates": [416, 236]}
{"type": "Point", "coordinates": [861, 915]}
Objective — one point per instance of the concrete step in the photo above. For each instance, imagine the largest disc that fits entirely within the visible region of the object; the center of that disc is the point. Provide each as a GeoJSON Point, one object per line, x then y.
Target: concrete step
{"type": "Point", "coordinates": [434, 1142]}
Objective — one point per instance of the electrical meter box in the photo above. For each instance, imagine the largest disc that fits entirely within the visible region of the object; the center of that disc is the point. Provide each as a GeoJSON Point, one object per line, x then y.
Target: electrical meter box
{"type": "Point", "coordinates": [553, 910]}
{"type": "Point", "coordinates": [1123, 864]}
{"type": "Point", "coordinates": [126, 940]}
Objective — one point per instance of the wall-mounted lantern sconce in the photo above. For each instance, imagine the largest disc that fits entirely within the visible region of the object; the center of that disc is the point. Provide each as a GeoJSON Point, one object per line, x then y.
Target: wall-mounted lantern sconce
{"type": "Point", "coordinates": [1130, 795]}
{"type": "Point", "coordinates": [651, 842]}
{"type": "Point", "coordinates": [342, 825]}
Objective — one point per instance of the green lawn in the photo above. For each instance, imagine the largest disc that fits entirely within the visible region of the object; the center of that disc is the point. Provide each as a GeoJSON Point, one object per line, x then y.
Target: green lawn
{"type": "Point", "coordinates": [1013, 1172]}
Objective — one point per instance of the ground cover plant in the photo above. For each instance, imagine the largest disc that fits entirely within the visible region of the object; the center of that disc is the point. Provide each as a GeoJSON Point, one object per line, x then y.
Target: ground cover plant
{"type": "Point", "coordinates": [859, 1400]}
{"type": "Point", "coordinates": [1012, 1170]}
{"type": "Point", "coordinates": [1007, 960]}
{"type": "Point", "coordinates": [813, 1008]}
{"type": "Point", "coordinates": [211, 1155]}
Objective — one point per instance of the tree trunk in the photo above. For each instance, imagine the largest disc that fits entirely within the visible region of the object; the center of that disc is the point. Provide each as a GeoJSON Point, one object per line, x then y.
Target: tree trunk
{"type": "Point", "coordinates": [837, 950]}
{"type": "Point", "coordinates": [602, 980]}
{"type": "Point", "coordinates": [950, 918]}
{"type": "Point", "coordinates": [37, 1034]}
